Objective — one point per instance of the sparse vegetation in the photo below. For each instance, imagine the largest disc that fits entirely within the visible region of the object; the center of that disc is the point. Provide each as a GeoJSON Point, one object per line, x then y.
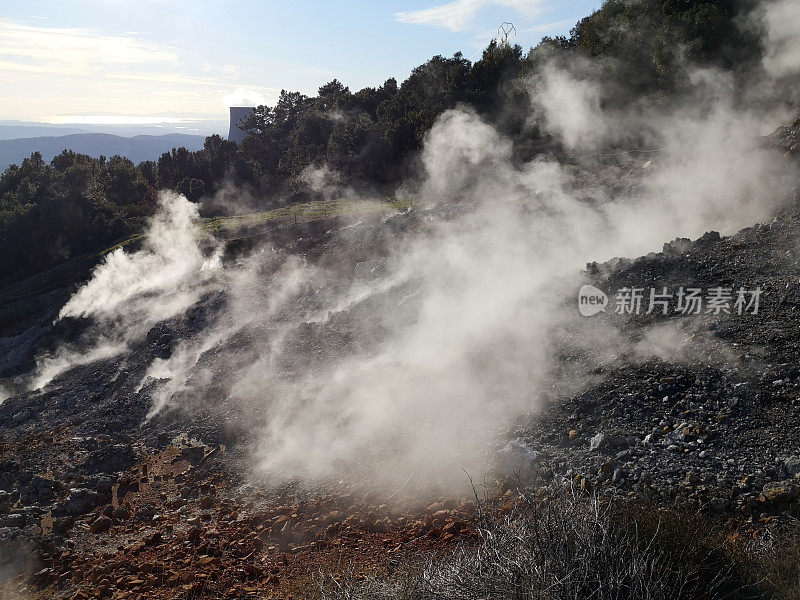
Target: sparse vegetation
{"type": "Point", "coordinates": [574, 546]}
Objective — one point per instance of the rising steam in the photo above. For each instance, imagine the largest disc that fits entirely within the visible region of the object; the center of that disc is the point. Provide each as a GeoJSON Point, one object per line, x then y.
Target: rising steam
{"type": "Point", "coordinates": [129, 293]}
{"type": "Point", "coordinates": [417, 367]}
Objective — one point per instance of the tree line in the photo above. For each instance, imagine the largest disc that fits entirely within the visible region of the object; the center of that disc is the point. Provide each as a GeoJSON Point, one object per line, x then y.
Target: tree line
{"type": "Point", "coordinates": [371, 137]}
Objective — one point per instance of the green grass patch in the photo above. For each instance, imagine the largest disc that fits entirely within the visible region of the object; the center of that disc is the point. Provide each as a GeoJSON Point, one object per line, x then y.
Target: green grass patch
{"type": "Point", "coordinates": [308, 211]}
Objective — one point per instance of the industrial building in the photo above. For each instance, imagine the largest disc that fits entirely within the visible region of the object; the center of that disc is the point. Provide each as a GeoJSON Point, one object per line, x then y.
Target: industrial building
{"type": "Point", "coordinates": [238, 114]}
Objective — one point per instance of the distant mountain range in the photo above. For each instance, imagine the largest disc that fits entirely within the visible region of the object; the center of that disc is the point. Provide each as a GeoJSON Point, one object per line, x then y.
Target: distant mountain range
{"type": "Point", "coordinates": [14, 130]}
{"type": "Point", "coordinates": [26, 130]}
{"type": "Point", "coordinates": [137, 148]}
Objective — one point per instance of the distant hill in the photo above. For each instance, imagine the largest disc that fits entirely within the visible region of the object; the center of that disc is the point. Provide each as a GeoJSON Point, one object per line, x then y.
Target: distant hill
{"type": "Point", "coordinates": [137, 148]}
{"type": "Point", "coordinates": [25, 130]}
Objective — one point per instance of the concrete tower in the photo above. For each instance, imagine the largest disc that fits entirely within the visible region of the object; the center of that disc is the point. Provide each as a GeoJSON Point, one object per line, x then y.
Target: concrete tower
{"type": "Point", "coordinates": [238, 113]}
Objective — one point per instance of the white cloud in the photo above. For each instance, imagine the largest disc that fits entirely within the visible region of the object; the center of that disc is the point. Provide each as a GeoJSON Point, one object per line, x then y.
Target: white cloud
{"type": "Point", "coordinates": [228, 70]}
{"type": "Point", "coordinates": [459, 14]}
{"type": "Point", "coordinates": [546, 27]}
{"type": "Point", "coordinates": [75, 50]}
{"type": "Point", "coordinates": [60, 71]}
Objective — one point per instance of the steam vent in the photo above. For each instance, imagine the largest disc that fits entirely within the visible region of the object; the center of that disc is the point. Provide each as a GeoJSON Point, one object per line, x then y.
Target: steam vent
{"type": "Point", "coordinates": [238, 113]}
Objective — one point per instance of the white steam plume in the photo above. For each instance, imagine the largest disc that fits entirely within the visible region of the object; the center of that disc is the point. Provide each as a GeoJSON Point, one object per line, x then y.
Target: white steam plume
{"type": "Point", "coordinates": [416, 369]}
{"type": "Point", "coordinates": [243, 97]}
{"type": "Point", "coordinates": [782, 22]}
{"type": "Point", "coordinates": [129, 293]}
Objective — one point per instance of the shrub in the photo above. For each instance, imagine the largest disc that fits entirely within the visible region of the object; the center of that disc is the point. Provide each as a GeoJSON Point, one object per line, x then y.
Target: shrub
{"type": "Point", "coordinates": [570, 547]}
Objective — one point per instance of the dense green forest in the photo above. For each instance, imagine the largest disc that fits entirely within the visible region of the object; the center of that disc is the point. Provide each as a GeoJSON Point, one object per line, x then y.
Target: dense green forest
{"type": "Point", "coordinates": [75, 204]}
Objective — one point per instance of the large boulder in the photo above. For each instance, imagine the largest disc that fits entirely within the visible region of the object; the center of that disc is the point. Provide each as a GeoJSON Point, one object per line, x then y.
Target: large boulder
{"type": "Point", "coordinates": [80, 501]}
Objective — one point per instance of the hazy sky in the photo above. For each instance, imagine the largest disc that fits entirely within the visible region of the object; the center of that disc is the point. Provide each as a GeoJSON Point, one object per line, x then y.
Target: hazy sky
{"type": "Point", "coordinates": [102, 60]}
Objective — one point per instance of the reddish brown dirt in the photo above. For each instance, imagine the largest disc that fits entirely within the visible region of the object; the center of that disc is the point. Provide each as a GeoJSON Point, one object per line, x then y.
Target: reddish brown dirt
{"type": "Point", "coordinates": [218, 544]}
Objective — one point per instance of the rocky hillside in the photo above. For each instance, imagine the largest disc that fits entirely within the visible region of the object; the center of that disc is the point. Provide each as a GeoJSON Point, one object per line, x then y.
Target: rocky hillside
{"type": "Point", "coordinates": [99, 500]}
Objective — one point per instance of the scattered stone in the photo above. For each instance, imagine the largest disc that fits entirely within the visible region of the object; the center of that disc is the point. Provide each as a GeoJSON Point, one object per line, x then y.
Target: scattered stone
{"type": "Point", "coordinates": [79, 501]}
{"type": "Point", "coordinates": [780, 492]}
{"type": "Point", "coordinates": [121, 513]}
{"type": "Point", "coordinates": [599, 441]}
{"type": "Point", "coordinates": [101, 525]}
